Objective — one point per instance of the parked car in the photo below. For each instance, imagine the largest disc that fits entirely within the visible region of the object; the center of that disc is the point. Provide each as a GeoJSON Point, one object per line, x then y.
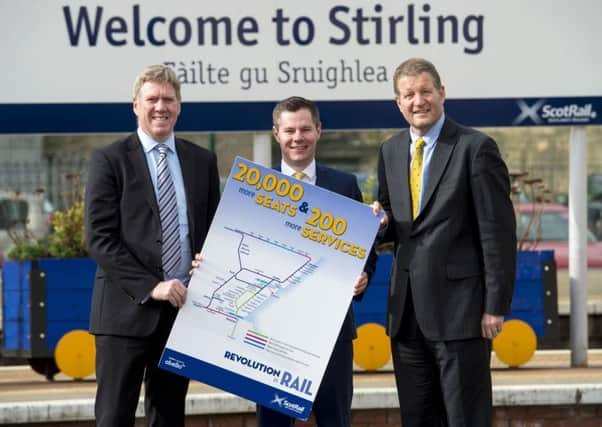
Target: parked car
{"type": "Point", "coordinates": [22, 213]}
{"type": "Point", "coordinates": [594, 203]}
{"type": "Point", "coordinates": [554, 235]}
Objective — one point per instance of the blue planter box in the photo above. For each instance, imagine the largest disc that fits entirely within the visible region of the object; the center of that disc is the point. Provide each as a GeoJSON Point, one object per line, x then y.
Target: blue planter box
{"type": "Point", "coordinates": [535, 298]}
{"type": "Point", "coordinates": [41, 301]}
{"type": "Point", "coordinates": [373, 306]}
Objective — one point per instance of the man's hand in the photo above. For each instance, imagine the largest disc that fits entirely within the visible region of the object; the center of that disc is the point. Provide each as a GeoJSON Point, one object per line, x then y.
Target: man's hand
{"type": "Point", "coordinates": [491, 325]}
{"type": "Point", "coordinates": [360, 284]}
{"type": "Point", "coordinates": [376, 210]}
{"type": "Point", "coordinates": [170, 290]}
{"type": "Point", "coordinates": [196, 262]}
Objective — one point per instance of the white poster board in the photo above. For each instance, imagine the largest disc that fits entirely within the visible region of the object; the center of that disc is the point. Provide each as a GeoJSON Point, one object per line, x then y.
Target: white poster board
{"type": "Point", "coordinates": [266, 305]}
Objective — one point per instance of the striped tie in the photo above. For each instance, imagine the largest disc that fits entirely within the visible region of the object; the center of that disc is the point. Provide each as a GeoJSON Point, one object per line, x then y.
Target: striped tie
{"type": "Point", "coordinates": [168, 212]}
{"type": "Point", "coordinates": [416, 176]}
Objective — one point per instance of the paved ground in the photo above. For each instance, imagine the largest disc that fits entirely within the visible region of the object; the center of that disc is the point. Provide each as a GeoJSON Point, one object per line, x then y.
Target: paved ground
{"type": "Point", "coordinates": [20, 383]}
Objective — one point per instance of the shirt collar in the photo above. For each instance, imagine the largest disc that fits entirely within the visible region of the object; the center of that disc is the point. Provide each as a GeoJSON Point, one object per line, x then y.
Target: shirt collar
{"type": "Point", "coordinates": [432, 135]}
{"type": "Point", "coordinates": [309, 171]}
{"type": "Point", "coordinates": [148, 144]}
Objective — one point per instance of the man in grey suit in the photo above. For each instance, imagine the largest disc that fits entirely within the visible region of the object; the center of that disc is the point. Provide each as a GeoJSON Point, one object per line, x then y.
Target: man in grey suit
{"type": "Point", "coordinates": [446, 193]}
{"type": "Point", "coordinates": [149, 202]}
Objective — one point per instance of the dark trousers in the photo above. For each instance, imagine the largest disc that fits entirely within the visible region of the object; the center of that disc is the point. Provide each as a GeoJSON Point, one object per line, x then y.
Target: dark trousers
{"type": "Point", "coordinates": [442, 383]}
{"type": "Point", "coordinates": [332, 405]}
{"type": "Point", "coordinates": [122, 364]}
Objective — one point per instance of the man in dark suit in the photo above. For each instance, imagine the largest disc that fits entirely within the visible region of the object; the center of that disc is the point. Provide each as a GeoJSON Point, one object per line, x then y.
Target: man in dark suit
{"type": "Point", "coordinates": [449, 214]}
{"type": "Point", "coordinates": [144, 191]}
{"type": "Point", "coordinates": [297, 128]}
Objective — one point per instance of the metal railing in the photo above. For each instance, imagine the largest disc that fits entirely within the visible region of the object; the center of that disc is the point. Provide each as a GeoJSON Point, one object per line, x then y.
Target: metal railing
{"type": "Point", "coordinates": [53, 175]}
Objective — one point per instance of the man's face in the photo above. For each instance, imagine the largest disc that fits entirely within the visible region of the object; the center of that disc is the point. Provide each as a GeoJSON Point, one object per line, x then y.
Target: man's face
{"type": "Point", "coordinates": [157, 109]}
{"type": "Point", "coordinates": [420, 102]}
{"type": "Point", "coordinates": [298, 136]}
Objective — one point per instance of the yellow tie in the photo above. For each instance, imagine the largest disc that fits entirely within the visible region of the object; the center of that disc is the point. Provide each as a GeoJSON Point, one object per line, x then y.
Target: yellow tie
{"type": "Point", "coordinates": [416, 176]}
{"type": "Point", "coordinates": [299, 175]}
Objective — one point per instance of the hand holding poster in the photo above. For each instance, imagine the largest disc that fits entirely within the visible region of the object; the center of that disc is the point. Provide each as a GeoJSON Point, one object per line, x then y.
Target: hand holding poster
{"type": "Point", "coordinates": [265, 307]}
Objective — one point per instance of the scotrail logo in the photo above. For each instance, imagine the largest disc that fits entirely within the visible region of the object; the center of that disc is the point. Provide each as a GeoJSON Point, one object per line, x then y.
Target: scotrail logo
{"type": "Point", "coordinates": [284, 403]}
{"type": "Point", "coordinates": [542, 112]}
{"type": "Point", "coordinates": [571, 113]}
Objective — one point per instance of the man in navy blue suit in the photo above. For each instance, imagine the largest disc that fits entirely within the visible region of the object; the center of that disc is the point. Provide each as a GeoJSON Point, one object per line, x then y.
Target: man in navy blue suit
{"type": "Point", "coordinates": [297, 128]}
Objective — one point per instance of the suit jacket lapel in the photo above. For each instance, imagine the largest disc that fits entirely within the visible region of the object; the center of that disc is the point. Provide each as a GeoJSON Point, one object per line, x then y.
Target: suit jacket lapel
{"type": "Point", "coordinates": [399, 173]}
{"type": "Point", "coordinates": [188, 165]}
{"type": "Point", "coordinates": [443, 150]}
{"type": "Point", "coordinates": [138, 161]}
{"type": "Point", "coordinates": [322, 177]}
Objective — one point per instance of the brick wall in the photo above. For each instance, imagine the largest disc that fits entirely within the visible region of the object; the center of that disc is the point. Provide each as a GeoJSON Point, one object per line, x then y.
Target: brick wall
{"type": "Point", "coordinates": [548, 416]}
{"type": "Point", "coordinates": [505, 416]}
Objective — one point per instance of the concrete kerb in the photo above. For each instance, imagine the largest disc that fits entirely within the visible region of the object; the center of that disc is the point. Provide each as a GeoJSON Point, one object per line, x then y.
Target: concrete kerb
{"type": "Point", "coordinates": [368, 398]}
{"type": "Point", "coordinates": [547, 394]}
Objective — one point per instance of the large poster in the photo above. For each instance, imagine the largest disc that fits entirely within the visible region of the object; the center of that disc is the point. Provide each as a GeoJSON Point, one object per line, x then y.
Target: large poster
{"type": "Point", "coordinates": [266, 305]}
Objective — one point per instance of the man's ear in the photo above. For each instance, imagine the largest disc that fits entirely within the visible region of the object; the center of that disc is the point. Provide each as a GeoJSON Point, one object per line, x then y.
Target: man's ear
{"type": "Point", "coordinates": [398, 103]}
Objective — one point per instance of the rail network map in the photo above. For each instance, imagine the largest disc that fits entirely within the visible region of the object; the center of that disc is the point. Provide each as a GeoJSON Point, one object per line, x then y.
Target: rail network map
{"type": "Point", "coordinates": [264, 309]}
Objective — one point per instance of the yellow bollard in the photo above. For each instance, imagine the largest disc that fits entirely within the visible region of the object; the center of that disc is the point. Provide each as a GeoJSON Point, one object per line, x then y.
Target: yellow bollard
{"type": "Point", "coordinates": [372, 347]}
{"type": "Point", "coordinates": [75, 354]}
{"type": "Point", "coordinates": [516, 344]}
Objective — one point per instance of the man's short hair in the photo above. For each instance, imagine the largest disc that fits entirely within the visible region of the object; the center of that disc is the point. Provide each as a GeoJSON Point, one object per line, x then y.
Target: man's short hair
{"type": "Point", "coordinates": [413, 67]}
{"type": "Point", "coordinates": [295, 103]}
{"type": "Point", "coordinates": [157, 73]}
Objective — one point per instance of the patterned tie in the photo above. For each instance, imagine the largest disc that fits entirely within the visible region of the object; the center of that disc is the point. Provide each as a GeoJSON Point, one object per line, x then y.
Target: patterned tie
{"type": "Point", "coordinates": [416, 176]}
{"type": "Point", "coordinates": [168, 212]}
{"type": "Point", "coordinates": [299, 175]}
